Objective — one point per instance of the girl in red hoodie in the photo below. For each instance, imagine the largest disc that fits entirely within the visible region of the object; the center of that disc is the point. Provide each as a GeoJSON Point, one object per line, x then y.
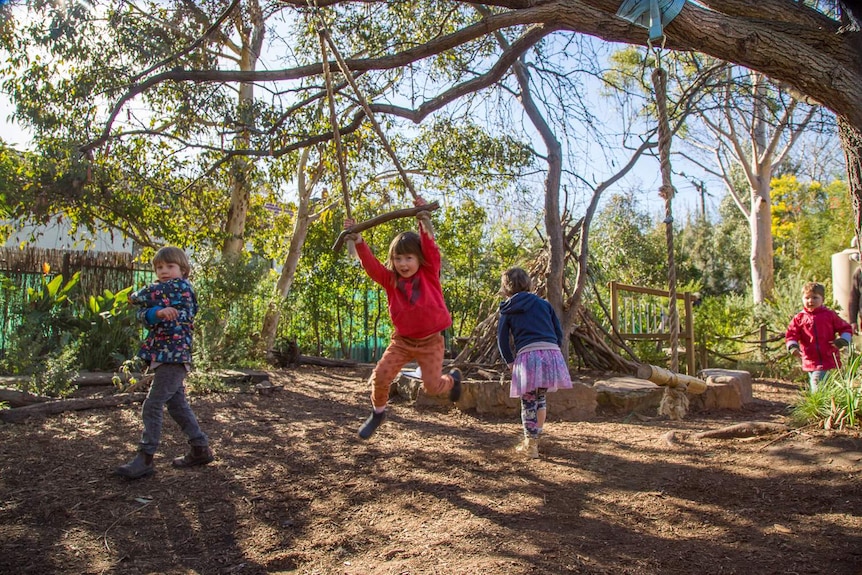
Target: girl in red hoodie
{"type": "Point", "coordinates": [411, 278]}
{"type": "Point", "coordinates": [816, 334]}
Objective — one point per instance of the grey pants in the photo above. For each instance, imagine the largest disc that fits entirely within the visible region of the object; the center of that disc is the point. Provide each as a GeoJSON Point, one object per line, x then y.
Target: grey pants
{"type": "Point", "coordinates": [168, 389]}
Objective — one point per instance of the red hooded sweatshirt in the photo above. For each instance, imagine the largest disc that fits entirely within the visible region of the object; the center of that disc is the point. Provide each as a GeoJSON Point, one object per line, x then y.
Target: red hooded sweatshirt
{"type": "Point", "coordinates": [416, 304]}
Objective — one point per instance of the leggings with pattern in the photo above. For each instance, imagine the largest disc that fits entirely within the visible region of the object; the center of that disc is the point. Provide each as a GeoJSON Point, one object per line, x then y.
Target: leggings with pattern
{"type": "Point", "coordinates": [531, 403]}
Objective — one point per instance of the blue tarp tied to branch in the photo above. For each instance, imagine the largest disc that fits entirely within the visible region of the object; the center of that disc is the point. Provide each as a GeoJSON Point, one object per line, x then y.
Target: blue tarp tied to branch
{"type": "Point", "coordinates": [653, 15]}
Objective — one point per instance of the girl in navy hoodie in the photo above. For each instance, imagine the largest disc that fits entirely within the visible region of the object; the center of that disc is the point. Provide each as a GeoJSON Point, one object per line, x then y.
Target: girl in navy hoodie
{"type": "Point", "coordinates": [537, 364]}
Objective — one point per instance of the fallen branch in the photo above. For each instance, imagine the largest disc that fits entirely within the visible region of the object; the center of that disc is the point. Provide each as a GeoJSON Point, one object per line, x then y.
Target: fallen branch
{"type": "Point", "coordinates": [326, 362]}
{"type": "Point", "coordinates": [788, 433]}
{"type": "Point", "coordinates": [747, 429]}
{"type": "Point", "coordinates": [19, 414]}
{"type": "Point", "coordinates": [671, 438]}
{"type": "Point", "coordinates": [17, 398]}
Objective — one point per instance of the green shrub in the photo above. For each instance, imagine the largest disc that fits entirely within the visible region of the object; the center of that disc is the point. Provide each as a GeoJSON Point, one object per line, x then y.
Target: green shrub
{"type": "Point", "coordinates": [48, 324]}
{"type": "Point", "coordinates": [112, 332]}
{"type": "Point", "coordinates": [837, 402]}
{"type": "Point", "coordinates": [58, 370]}
{"type": "Point", "coordinates": [233, 295]}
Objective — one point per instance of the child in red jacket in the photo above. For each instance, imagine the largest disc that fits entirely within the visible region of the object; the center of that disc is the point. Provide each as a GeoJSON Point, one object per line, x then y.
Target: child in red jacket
{"type": "Point", "coordinates": [812, 335]}
{"type": "Point", "coordinates": [418, 311]}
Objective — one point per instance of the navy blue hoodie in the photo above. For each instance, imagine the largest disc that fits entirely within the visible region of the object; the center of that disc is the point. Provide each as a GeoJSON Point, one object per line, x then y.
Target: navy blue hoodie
{"type": "Point", "coordinates": [529, 319]}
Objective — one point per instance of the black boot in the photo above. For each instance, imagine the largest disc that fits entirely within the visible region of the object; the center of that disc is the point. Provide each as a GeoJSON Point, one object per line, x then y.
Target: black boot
{"type": "Point", "coordinates": [455, 392]}
{"type": "Point", "coordinates": [197, 455]}
{"type": "Point", "coordinates": [371, 424]}
{"type": "Point", "coordinates": [140, 466]}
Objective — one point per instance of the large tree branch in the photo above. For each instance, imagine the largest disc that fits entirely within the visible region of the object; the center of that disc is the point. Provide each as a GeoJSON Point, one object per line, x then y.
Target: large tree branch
{"type": "Point", "coordinates": [507, 59]}
{"type": "Point", "coordinates": [825, 65]}
{"type": "Point", "coordinates": [404, 58]}
{"type": "Point", "coordinates": [210, 31]}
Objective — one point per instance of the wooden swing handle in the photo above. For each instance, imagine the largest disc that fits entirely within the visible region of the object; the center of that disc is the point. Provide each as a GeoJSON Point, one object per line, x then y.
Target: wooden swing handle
{"type": "Point", "coordinates": [377, 220]}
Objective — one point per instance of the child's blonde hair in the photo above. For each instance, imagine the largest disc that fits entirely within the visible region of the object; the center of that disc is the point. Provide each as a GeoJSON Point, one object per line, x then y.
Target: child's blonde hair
{"type": "Point", "coordinates": [515, 280]}
{"type": "Point", "coordinates": [172, 255]}
{"type": "Point", "coordinates": [814, 288]}
{"type": "Point", "coordinates": [405, 243]}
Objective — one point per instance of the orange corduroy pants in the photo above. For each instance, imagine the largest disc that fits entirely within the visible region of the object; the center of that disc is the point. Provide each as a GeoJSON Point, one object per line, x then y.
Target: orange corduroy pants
{"type": "Point", "coordinates": [427, 352]}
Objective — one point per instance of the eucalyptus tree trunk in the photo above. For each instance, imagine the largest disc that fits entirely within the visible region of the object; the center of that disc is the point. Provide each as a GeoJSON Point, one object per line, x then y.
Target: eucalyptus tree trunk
{"type": "Point", "coordinates": [252, 35]}
{"type": "Point", "coordinates": [302, 221]}
{"type": "Point", "coordinates": [553, 223]}
{"type": "Point", "coordinates": [760, 214]}
{"type": "Point", "coordinates": [757, 140]}
{"type": "Point", "coordinates": [760, 224]}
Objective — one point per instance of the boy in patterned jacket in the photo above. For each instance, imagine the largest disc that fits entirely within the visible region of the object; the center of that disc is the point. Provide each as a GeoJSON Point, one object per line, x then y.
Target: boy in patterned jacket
{"type": "Point", "coordinates": [167, 308]}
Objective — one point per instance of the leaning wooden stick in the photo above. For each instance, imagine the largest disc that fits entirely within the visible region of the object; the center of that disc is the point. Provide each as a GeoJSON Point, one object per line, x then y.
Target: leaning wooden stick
{"type": "Point", "coordinates": [377, 220]}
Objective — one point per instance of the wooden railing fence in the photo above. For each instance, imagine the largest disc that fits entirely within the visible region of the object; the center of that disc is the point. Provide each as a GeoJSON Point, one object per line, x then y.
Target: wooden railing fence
{"type": "Point", "coordinates": [640, 313]}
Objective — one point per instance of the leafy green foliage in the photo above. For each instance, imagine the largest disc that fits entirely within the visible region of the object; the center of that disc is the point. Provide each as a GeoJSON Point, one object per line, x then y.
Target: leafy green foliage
{"type": "Point", "coordinates": [56, 374]}
{"type": "Point", "coordinates": [232, 297]}
{"type": "Point", "coordinates": [474, 257]}
{"type": "Point", "coordinates": [124, 377]}
{"type": "Point", "coordinates": [44, 346]}
{"type": "Point", "coordinates": [47, 324]}
{"type": "Point", "coordinates": [810, 222]}
{"type": "Point", "coordinates": [626, 247]}
{"type": "Point", "coordinates": [724, 324]}
{"type": "Point", "coordinates": [111, 334]}
{"type": "Point", "coordinates": [622, 248]}
{"type": "Point", "coordinates": [716, 255]}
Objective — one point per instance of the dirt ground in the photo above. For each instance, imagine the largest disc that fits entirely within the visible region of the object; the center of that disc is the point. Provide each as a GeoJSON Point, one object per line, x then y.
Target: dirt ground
{"type": "Point", "coordinates": [436, 491]}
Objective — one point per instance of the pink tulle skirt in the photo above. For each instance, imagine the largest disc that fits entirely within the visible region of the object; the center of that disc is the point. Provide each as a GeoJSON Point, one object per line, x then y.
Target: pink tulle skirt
{"type": "Point", "coordinates": [539, 368]}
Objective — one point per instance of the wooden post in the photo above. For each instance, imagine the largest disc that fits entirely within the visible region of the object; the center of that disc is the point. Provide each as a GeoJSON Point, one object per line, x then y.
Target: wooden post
{"type": "Point", "coordinates": [615, 321]}
{"type": "Point", "coordinates": [689, 334]}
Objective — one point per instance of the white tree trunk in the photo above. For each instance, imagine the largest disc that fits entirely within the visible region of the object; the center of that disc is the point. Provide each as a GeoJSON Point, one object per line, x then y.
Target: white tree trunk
{"type": "Point", "coordinates": [760, 224]}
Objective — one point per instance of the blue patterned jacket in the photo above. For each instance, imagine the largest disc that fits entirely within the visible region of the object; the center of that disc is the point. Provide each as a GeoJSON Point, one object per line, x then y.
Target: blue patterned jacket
{"type": "Point", "coordinates": [168, 341]}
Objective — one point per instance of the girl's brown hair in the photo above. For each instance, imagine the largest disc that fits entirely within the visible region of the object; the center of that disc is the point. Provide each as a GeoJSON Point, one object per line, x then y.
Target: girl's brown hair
{"type": "Point", "coordinates": [515, 280]}
{"type": "Point", "coordinates": [405, 243]}
{"type": "Point", "coordinates": [172, 255]}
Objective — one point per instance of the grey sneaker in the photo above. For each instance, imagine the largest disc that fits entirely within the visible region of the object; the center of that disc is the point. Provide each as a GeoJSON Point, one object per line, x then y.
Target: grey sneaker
{"type": "Point", "coordinates": [455, 392]}
{"type": "Point", "coordinates": [371, 424]}
{"type": "Point", "coordinates": [140, 466]}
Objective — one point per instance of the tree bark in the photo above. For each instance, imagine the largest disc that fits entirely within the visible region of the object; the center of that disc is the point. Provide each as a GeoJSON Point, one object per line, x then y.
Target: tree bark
{"type": "Point", "coordinates": [760, 221]}
{"type": "Point", "coordinates": [747, 429]}
{"type": "Point", "coordinates": [851, 142]}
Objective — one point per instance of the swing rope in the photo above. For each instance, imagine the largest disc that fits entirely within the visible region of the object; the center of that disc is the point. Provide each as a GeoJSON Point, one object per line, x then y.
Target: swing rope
{"type": "Point", "coordinates": [333, 120]}
{"type": "Point", "coordinates": [667, 193]}
{"type": "Point", "coordinates": [322, 31]}
{"type": "Point", "coordinates": [326, 41]}
{"type": "Point", "coordinates": [674, 401]}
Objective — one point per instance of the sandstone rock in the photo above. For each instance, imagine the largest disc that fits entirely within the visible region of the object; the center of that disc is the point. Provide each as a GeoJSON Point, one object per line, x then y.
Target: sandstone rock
{"type": "Point", "coordinates": [627, 395]}
{"type": "Point", "coordinates": [741, 380]}
{"type": "Point", "coordinates": [492, 397]}
{"type": "Point", "coordinates": [718, 395]}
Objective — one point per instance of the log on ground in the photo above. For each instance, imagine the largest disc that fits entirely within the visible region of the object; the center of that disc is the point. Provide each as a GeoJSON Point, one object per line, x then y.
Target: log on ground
{"type": "Point", "coordinates": [19, 414]}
